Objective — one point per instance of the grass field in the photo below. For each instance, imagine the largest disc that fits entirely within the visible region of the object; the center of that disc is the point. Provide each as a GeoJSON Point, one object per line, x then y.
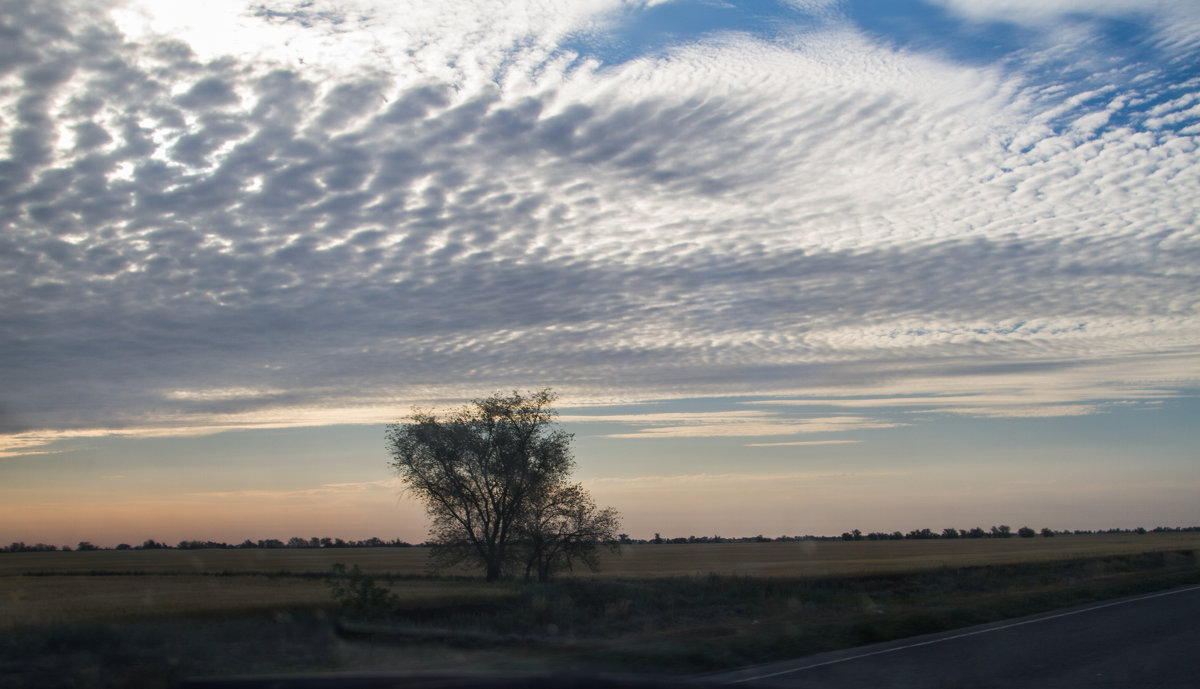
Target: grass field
{"type": "Point", "coordinates": [55, 587]}
{"type": "Point", "coordinates": [670, 607]}
{"type": "Point", "coordinates": [640, 561]}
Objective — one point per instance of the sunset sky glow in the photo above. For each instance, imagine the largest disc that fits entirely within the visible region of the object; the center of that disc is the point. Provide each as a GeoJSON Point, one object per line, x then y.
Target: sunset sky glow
{"type": "Point", "coordinates": [794, 267]}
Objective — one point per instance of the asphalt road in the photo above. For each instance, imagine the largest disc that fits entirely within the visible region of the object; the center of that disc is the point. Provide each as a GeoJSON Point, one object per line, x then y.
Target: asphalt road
{"type": "Point", "coordinates": [1146, 641]}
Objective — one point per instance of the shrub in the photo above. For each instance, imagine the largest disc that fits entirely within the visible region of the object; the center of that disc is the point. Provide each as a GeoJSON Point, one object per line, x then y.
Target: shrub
{"type": "Point", "coordinates": [358, 594]}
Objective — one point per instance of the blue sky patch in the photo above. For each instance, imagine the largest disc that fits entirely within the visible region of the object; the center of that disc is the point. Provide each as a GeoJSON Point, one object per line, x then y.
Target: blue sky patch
{"type": "Point", "coordinates": [636, 33]}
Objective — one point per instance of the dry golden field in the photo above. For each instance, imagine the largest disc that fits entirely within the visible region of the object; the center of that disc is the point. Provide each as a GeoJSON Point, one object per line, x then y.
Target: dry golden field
{"type": "Point", "coordinates": [98, 585]}
{"type": "Point", "coordinates": [639, 561]}
{"type": "Point", "coordinates": [56, 599]}
{"type": "Point", "coordinates": [848, 558]}
{"type": "Point", "coordinates": [402, 561]}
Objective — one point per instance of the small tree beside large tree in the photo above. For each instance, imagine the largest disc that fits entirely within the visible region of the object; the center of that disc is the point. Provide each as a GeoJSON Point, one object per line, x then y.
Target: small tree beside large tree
{"type": "Point", "coordinates": [494, 477]}
{"type": "Point", "coordinates": [562, 526]}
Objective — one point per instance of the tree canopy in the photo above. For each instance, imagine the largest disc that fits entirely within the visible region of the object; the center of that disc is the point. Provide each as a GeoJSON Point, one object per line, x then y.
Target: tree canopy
{"type": "Point", "coordinates": [493, 475]}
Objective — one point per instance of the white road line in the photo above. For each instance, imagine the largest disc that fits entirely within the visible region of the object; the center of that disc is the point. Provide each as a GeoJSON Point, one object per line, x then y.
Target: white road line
{"type": "Point", "coordinates": [965, 635]}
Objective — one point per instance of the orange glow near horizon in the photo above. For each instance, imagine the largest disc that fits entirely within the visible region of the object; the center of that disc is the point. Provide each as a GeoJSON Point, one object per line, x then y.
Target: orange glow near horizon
{"type": "Point", "coordinates": [701, 505]}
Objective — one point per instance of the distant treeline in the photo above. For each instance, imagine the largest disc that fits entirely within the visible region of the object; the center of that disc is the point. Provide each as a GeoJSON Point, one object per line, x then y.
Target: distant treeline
{"type": "Point", "coordinates": [151, 544]}
{"type": "Point", "coordinates": [1002, 531]}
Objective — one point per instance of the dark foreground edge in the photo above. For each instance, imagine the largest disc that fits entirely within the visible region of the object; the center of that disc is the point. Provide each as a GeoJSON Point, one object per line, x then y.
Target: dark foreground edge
{"type": "Point", "coordinates": [441, 681]}
{"type": "Point", "coordinates": [779, 669]}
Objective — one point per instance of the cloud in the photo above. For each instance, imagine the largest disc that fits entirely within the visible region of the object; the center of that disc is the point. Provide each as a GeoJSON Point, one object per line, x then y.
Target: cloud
{"type": "Point", "coordinates": [1013, 390]}
{"type": "Point", "coordinates": [732, 424]}
{"type": "Point", "coordinates": [200, 421]}
{"type": "Point", "coordinates": [1023, 411]}
{"type": "Point", "coordinates": [322, 492]}
{"type": "Point", "coordinates": [654, 483]}
{"type": "Point", "coordinates": [804, 443]}
{"type": "Point", "coordinates": [24, 444]}
{"type": "Point", "coordinates": [456, 202]}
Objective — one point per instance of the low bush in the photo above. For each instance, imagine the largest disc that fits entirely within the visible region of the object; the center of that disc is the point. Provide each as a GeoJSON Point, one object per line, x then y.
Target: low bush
{"type": "Point", "coordinates": [358, 594]}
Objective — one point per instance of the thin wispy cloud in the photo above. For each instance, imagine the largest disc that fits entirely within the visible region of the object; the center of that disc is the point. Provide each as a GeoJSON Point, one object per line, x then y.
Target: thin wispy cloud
{"type": "Point", "coordinates": [389, 487]}
{"type": "Point", "coordinates": [804, 443]}
{"type": "Point", "coordinates": [725, 479]}
{"type": "Point", "coordinates": [730, 424]}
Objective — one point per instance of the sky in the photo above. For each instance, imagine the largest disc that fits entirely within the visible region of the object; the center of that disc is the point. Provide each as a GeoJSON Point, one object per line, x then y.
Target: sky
{"type": "Point", "coordinates": [794, 267]}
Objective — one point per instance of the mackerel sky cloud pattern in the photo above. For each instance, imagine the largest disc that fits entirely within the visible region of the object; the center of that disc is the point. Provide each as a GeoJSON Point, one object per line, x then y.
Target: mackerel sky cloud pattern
{"type": "Point", "coordinates": [356, 205]}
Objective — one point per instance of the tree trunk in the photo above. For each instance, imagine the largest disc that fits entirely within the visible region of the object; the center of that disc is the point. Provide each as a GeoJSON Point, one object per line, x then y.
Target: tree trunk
{"type": "Point", "coordinates": [494, 558]}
